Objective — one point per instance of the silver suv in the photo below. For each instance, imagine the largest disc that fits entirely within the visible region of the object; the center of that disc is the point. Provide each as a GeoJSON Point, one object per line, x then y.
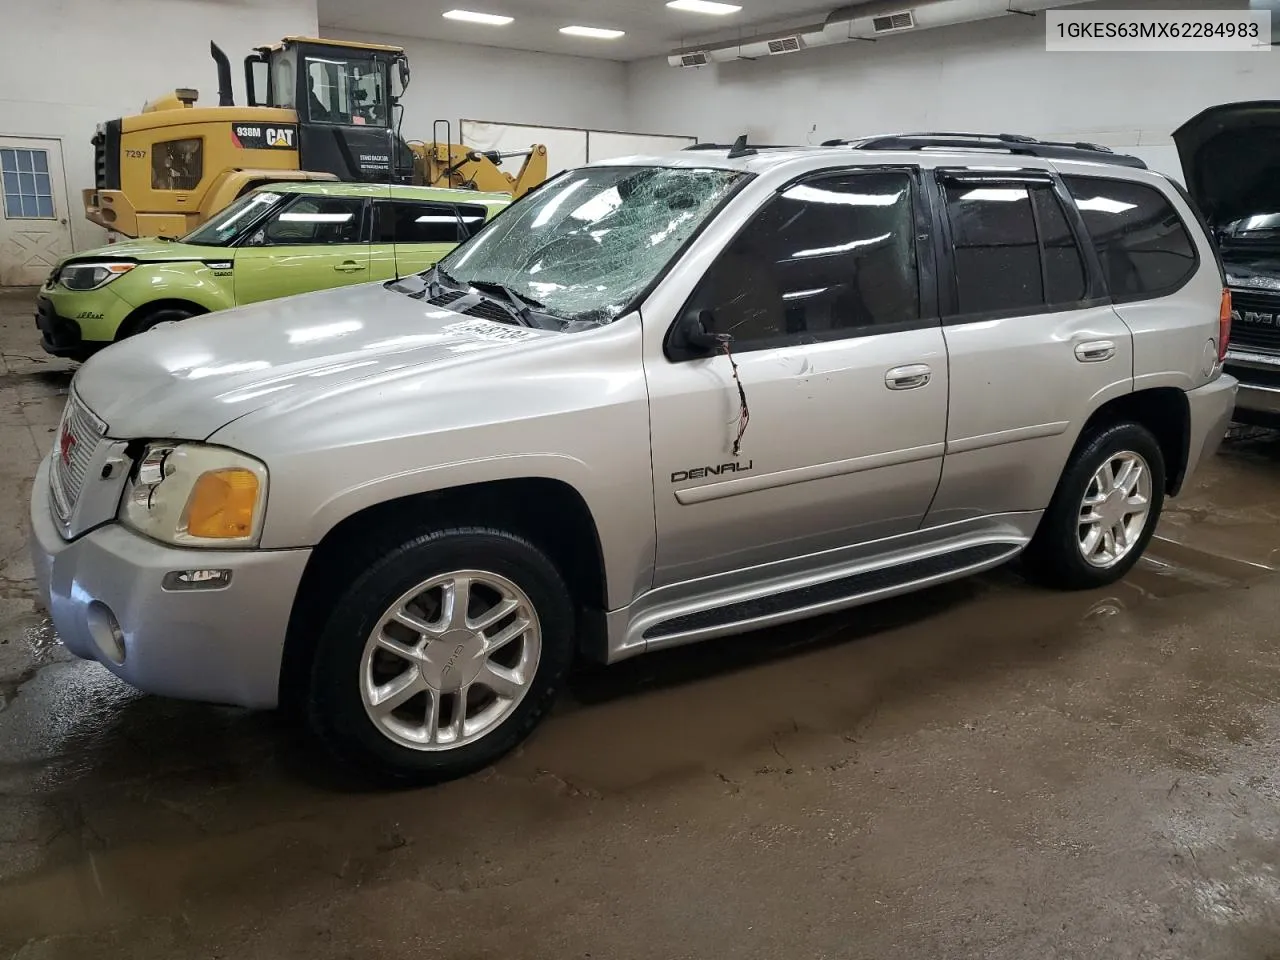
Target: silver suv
{"type": "Point", "coordinates": [655, 401]}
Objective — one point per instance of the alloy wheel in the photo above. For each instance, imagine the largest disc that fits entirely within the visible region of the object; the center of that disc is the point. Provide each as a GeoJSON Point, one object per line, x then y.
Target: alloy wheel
{"type": "Point", "coordinates": [450, 660]}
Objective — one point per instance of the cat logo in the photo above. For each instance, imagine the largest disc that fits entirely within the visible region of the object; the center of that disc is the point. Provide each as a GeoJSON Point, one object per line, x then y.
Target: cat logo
{"type": "Point", "coordinates": [280, 136]}
{"type": "Point", "coordinates": [246, 136]}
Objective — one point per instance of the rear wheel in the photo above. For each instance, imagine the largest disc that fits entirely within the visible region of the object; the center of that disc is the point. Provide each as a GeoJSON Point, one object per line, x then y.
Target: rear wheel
{"type": "Point", "coordinates": [1103, 513]}
{"type": "Point", "coordinates": [442, 655]}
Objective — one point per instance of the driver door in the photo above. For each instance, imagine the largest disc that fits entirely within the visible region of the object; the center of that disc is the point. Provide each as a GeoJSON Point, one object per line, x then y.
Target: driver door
{"type": "Point", "coordinates": [310, 243]}
{"type": "Point", "coordinates": [840, 427]}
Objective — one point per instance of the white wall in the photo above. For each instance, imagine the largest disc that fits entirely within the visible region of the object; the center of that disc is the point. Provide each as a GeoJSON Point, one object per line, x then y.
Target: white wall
{"type": "Point", "coordinates": [993, 75]}
{"type": "Point", "coordinates": [462, 82]}
{"type": "Point", "coordinates": [68, 65]}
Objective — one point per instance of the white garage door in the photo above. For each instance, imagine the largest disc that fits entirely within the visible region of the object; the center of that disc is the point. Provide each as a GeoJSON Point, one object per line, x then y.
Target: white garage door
{"type": "Point", "coordinates": [33, 210]}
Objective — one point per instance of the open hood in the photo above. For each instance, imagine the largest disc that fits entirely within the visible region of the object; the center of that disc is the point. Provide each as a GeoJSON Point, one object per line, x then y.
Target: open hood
{"type": "Point", "coordinates": [1230, 157]}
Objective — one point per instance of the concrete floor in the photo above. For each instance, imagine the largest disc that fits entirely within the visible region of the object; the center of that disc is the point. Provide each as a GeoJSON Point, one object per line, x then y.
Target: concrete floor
{"type": "Point", "coordinates": [985, 770]}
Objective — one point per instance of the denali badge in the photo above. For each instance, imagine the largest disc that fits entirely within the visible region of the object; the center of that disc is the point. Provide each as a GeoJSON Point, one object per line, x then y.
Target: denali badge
{"type": "Point", "coordinates": [699, 473]}
{"type": "Point", "coordinates": [1253, 318]}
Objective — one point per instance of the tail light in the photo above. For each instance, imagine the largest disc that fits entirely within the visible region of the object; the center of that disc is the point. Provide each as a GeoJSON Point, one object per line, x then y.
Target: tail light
{"type": "Point", "coordinates": [1224, 324]}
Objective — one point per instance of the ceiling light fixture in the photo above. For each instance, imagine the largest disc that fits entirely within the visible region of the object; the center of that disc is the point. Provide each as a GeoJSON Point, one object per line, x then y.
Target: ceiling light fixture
{"type": "Point", "coordinates": [470, 16]}
{"type": "Point", "coordinates": [595, 33]}
{"type": "Point", "coordinates": [704, 6]}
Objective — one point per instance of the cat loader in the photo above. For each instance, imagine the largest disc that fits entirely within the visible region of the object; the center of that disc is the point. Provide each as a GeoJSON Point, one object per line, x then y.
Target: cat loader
{"type": "Point", "coordinates": [317, 110]}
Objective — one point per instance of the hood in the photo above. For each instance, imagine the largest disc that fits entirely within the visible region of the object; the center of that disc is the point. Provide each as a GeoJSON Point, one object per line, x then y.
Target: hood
{"type": "Point", "coordinates": [153, 250]}
{"type": "Point", "coordinates": [1231, 159]}
{"type": "Point", "coordinates": [186, 380]}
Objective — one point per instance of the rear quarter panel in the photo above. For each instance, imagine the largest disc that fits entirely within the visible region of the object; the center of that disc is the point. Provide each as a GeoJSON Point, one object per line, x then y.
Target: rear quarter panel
{"type": "Point", "coordinates": [1170, 333]}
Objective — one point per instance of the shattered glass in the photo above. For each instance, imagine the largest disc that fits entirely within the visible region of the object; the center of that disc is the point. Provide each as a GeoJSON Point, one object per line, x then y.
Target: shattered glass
{"type": "Point", "coordinates": [585, 245]}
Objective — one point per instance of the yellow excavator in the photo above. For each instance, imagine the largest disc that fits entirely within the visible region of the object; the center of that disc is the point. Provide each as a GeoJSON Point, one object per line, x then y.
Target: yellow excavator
{"type": "Point", "coordinates": [317, 110]}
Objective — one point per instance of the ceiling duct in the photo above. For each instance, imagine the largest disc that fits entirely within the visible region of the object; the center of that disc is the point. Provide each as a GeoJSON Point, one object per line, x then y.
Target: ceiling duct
{"type": "Point", "coordinates": [785, 45]}
{"type": "Point", "coordinates": [698, 58]}
{"type": "Point", "coordinates": [893, 22]}
{"type": "Point", "coordinates": [864, 21]}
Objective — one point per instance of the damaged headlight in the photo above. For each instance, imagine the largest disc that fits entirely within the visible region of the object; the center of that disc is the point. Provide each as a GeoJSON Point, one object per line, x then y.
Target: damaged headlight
{"type": "Point", "coordinates": [191, 494]}
{"type": "Point", "coordinates": [91, 276]}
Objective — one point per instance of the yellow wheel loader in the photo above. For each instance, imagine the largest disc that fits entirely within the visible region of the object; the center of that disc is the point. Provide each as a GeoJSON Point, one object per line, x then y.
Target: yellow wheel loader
{"type": "Point", "coordinates": [317, 110]}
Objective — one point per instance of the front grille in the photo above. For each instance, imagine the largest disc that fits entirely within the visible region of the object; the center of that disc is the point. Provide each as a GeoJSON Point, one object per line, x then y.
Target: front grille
{"type": "Point", "coordinates": [1255, 321]}
{"type": "Point", "coordinates": [78, 436]}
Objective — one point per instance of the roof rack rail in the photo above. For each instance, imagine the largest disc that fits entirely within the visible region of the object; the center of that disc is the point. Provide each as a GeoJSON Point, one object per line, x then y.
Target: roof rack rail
{"type": "Point", "coordinates": [1006, 142]}
{"type": "Point", "coordinates": [730, 146]}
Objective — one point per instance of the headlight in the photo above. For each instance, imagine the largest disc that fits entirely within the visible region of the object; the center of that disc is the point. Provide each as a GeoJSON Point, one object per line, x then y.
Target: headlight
{"type": "Point", "coordinates": [192, 495]}
{"type": "Point", "coordinates": [91, 276]}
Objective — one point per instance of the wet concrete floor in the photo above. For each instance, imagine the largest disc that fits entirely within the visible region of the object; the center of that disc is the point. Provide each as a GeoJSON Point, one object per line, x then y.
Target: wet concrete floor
{"type": "Point", "coordinates": [984, 770]}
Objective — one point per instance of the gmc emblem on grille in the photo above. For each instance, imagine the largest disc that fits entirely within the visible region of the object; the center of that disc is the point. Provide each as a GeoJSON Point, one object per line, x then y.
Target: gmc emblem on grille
{"type": "Point", "coordinates": [66, 443]}
{"type": "Point", "coordinates": [1254, 318]}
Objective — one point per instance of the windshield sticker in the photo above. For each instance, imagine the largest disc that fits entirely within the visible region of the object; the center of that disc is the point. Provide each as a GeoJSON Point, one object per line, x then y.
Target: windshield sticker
{"type": "Point", "coordinates": [488, 330]}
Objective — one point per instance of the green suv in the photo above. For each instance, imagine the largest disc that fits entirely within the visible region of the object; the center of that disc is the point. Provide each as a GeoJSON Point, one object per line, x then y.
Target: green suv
{"type": "Point", "coordinates": [272, 242]}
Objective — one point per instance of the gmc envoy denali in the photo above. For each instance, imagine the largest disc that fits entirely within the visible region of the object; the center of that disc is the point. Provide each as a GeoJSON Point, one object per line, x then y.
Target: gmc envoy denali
{"type": "Point", "coordinates": [654, 401]}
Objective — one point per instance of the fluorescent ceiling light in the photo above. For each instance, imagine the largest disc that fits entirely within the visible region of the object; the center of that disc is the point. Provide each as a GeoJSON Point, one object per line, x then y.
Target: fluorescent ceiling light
{"type": "Point", "coordinates": [596, 33]}
{"type": "Point", "coordinates": [704, 6]}
{"type": "Point", "coordinates": [491, 19]}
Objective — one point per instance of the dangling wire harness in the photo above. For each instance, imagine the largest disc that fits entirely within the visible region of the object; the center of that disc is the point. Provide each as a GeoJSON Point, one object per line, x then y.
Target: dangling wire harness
{"type": "Point", "coordinates": [744, 412]}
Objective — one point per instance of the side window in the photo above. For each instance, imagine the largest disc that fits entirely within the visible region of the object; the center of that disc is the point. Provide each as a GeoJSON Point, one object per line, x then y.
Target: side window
{"type": "Point", "coordinates": [1012, 248]}
{"type": "Point", "coordinates": [1142, 243]}
{"type": "Point", "coordinates": [1064, 277]}
{"type": "Point", "coordinates": [410, 221]}
{"type": "Point", "coordinates": [308, 220]}
{"type": "Point", "coordinates": [404, 221]}
{"type": "Point", "coordinates": [995, 251]}
{"type": "Point", "coordinates": [825, 259]}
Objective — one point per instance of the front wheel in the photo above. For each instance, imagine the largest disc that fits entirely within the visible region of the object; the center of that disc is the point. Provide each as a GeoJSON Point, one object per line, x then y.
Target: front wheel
{"type": "Point", "coordinates": [152, 319]}
{"type": "Point", "coordinates": [442, 655]}
{"type": "Point", "coordinates": [1103, 513]}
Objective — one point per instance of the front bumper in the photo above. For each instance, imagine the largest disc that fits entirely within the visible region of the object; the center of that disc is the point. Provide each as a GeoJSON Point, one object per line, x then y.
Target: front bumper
{"type": "Point", "coordinates": [1259, 374]}
{"type": "Point", "coordinates": [59, 336]}
{"type": "Point", "coordinates": [221, 645]}
{"type": "Point", "coordinates": [1210, 407]}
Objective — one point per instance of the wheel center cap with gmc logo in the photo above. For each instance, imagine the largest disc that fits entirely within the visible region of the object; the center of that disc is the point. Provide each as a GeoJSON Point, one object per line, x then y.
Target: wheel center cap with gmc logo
{"type": "Point", "coordinates": [453, 660]}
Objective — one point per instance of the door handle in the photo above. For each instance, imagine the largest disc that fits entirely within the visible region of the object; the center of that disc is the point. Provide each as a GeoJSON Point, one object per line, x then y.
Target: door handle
{"type": "Point", "coordinates": [348, 266]}
{"type": "Point", "coordinates": [1095, 351]}
{"type": "Point", "coordinates": [908, 377]}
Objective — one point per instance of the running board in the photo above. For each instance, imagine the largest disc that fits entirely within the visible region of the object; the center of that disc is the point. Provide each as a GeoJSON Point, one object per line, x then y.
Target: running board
{"type": "Point", "coordinates": [851, 590]}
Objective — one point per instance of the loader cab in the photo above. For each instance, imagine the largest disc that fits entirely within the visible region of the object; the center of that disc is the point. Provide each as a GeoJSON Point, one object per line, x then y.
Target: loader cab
{"type": "Point", "coordinates": [347, 107]}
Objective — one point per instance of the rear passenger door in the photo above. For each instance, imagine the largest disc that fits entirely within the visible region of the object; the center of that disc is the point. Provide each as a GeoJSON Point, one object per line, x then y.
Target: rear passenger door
{"type": "Point", "coordinates": [1034, 345]}
{"type": "Point", "coordinates": [413, 235]}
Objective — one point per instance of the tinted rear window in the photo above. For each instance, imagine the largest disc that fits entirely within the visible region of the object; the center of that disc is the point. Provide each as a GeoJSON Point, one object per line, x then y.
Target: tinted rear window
{"type": "Point", "coordinates": [1142, 243]}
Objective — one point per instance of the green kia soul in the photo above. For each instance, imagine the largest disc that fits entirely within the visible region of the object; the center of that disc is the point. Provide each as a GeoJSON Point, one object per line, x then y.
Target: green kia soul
{"type": "Point", "coordinates": [272, 242]}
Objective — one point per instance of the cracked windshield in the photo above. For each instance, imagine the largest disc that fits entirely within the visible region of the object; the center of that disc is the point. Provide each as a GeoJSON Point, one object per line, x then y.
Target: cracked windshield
{"type": "Point", "coordinates": [583, 247]}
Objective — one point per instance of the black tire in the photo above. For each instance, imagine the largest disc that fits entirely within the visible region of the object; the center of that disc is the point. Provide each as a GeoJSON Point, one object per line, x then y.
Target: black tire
{"type": "Point", "coordinates": [335, 709]}
{"type": "Point", "coordinates": [1054, 557]}
{"type": "Point", "coordinates": [146, 321]}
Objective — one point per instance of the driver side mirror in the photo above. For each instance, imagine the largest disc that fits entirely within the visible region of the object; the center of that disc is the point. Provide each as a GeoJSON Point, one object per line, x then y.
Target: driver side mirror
{"type": "Point", "coordinates": [696, 330]}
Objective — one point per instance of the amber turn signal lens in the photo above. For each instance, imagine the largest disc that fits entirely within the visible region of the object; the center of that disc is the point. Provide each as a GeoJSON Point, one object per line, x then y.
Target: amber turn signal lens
{"type": "Point", "coordinates": [1224, 325]}
{"type": "Point", "coordinates": [221, 505]}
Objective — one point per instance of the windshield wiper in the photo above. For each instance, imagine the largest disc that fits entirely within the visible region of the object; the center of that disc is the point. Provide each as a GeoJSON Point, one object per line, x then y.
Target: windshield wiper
{"type": "Point", "coordinates": [519, 299]}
